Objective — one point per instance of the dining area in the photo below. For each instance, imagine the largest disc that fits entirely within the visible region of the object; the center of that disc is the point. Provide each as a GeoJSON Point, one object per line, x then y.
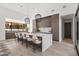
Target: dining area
{"type": "Point", "coordinates": [36, 41]}
{"type": "Point", "coordinates": [31, 41]}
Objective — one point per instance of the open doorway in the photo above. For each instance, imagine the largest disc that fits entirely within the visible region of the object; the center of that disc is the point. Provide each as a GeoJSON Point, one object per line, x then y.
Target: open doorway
{"type": "Point", "coordinates": [67, 28]}
{"type": "Point", "coordinates": [68, 32]}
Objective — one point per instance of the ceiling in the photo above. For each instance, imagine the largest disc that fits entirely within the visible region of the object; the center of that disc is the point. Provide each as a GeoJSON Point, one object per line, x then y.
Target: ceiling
{"type": "Point", "coordinates": [70, 16]}
{"type": "Point", "coordinates": [30, 9]}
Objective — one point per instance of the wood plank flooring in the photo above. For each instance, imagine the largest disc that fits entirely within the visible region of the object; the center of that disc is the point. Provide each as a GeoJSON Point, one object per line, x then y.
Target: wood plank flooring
{"type": "Point", "coordinates": [57, 49]}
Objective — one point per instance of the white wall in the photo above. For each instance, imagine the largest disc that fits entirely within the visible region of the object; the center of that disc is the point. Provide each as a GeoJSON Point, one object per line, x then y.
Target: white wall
{"type": "Point", "coordinates": [60, 29]}
{"type": "Point", "coordinates": [74, 29]}
{"type": "Point", "coordinates": [2, 28]}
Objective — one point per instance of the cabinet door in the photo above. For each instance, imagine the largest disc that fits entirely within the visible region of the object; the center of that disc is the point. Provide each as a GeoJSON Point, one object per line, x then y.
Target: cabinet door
{"type": "Point", "coordinates": [55, 26]}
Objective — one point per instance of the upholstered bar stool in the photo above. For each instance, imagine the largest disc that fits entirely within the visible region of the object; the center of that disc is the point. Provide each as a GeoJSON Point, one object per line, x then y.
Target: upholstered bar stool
{"type": "Point", "coordinates": [17, 36]}
{"type": "Point", "coordinates": [37, 44]}
{"type": "Point", "coordinates": [20, 37]}
{"type": "Point", "coordinates": [25, 39]}
{"type": "Point", "coordinates": [29, 39]}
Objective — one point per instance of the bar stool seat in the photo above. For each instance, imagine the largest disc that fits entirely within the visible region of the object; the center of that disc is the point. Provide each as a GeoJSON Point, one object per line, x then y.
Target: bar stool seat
{"type": "Point", "coordinates": [24, 38]}
{"type": "Point", "coordinates": [37, 41]}
{"type": "Point", "coordinates": [20, 36]}
{"type": "Point", "coordinates": [29, 39]}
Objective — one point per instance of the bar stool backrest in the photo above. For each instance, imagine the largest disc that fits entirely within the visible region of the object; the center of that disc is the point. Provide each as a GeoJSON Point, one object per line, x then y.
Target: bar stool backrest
{"type": "Point", "coordinates": [35, 37]}
{"type": "Point", "coordinates": [20, 35]}
{"type": "Point", "coordinates": [36, 40]}
{"type": "Point", "coordinates": [24, 36]}
{"type": "Point", "coordinates": [30, 36]}
{"type": "Point", "coordinates": [27, 35]}
{"type": "Point", "coordinates": [40, 38]}
{"type": "Point", "coordinates": [16, 34]}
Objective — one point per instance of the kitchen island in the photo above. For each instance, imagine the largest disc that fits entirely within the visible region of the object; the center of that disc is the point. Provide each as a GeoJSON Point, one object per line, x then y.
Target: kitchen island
{"type": "Point", "coordinates": [46, 39]}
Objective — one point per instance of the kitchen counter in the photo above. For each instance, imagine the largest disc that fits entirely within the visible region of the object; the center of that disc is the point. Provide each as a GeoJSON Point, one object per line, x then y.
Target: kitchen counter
{"type": "Point", "coordinates": [46, 39]}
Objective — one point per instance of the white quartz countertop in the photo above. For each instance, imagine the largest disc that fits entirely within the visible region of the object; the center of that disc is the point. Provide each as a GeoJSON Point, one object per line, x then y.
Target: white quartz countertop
{"type": "Point", "coordinates": [40, 34]}
{"type": "Point", "coordinates": [43, 32]}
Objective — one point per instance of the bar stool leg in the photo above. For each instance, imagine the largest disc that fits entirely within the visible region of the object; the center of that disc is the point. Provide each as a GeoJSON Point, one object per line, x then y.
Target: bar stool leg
{"type": "Point", "coordinates": [26, 43]}
{"type": "Point", "coordinates": [18, 39]}
{"type": "Point", "coordinates": [22, 41]}
{"type": "Point", "coordinates": [34, 48]}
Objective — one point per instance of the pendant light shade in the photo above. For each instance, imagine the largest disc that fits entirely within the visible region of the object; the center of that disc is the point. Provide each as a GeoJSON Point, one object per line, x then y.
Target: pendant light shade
{"type": "Point", "coordinates": [37, 16]}
{"type": "Point", "coordinates": [27, 20]}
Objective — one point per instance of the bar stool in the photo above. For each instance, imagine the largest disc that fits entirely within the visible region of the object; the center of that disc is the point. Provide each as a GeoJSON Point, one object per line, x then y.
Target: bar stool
{"type": "Point", "coordinates": [25, 40]}
{"type": "Point", "coordinates": [29, 39]}
{"type": "Point", "coordinates": [21, 37]}
{"type": "Point", "coordinates": [37, 43]}
{"type": "Point", "coordinates": [17, 36]}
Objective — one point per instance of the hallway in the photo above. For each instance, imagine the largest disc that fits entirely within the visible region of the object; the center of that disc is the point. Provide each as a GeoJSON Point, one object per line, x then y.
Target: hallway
{"type": "Point", "coordinates": [68, 40]}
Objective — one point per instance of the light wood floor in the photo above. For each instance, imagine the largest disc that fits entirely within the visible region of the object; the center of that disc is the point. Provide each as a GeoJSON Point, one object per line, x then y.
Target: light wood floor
{"type": "Point", "coordinates": [68, 40]}
{"type": "Point", "coordinates": [57, 49]}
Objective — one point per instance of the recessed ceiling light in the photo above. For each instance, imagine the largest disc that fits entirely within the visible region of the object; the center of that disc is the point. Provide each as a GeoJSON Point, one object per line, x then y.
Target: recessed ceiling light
{"type": "Point", "coordinates": [64, 6]}
{"type": "Point", "coordinates": [52, 10]}
{"type": "Point", "coordinates": [21, 5]}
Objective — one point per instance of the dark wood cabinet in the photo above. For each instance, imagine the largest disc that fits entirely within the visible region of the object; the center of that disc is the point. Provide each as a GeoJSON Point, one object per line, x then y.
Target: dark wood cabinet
{"type": "Point", "coordinates": [49, 21]}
